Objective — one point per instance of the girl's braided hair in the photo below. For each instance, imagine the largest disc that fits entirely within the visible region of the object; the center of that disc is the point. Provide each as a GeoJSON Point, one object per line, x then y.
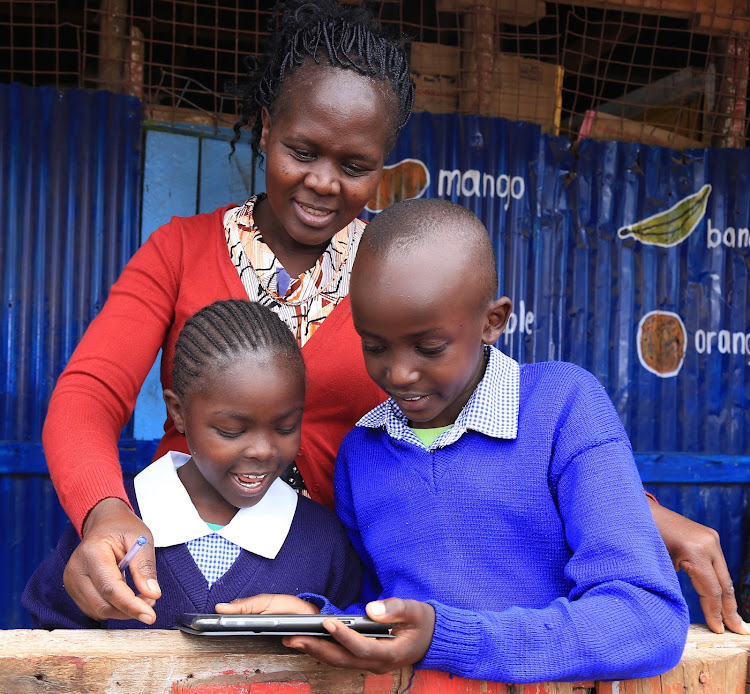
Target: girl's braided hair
{"type": "Point", "coordinates": [343, 36]}
{"type": "Point", "coordinates": [222, 332]}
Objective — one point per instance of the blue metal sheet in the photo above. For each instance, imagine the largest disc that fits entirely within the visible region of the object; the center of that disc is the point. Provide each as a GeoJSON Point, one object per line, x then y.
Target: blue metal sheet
{"type": "Point", "coordinates": [553, 212]}
{"type": "Point", "coordinates": [580, 291]}
{"type": "Point", "coordinates": [69, 181]}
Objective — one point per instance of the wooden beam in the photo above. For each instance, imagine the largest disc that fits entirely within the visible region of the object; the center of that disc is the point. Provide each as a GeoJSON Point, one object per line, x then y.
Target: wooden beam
{"type": "Point", "coordinates": [731, 105]}
{"type": "Point", "coordinates": [113, 44]}
{"type": "Point", "coordinates": [170, 662]}
{"type": "Point", "coordinates": [167, 662]}
{"type": "Point", "coordinates": [518, 12]}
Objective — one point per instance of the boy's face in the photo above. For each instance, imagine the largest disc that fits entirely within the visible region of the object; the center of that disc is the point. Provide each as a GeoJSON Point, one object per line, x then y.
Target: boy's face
{"type": "Point", "coordinates": [243, 431]}
{"type": "Point", "coordinates": [423, 334]}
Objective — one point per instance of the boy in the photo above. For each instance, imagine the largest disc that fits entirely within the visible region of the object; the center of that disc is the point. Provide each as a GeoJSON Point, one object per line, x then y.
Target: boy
{"type": "Point", "coordinates": [499, 503]}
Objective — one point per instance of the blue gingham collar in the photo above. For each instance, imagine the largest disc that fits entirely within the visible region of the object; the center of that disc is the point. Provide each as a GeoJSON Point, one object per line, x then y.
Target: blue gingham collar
{"type": "Point", "coordinates": [492, 408]}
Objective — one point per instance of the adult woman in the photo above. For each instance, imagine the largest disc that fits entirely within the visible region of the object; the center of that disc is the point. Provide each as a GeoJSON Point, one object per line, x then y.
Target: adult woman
{"type": "Point", "coordinates": [325, 102]}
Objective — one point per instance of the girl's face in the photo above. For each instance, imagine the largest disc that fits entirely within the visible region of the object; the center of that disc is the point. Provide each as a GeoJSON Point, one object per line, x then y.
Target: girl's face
{"type": "Point", "coordinates": [325, 145]}
{"type": "Point", "coordinates": [243, 431]}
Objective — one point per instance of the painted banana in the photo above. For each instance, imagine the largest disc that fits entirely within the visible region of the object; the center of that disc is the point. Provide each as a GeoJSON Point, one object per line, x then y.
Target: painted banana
{"type": "Point", "coordinates": [672, 226]}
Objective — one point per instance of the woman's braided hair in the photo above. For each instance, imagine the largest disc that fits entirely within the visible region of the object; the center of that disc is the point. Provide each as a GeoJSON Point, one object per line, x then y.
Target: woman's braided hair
{"type": "Point", "coordinates": [343, 36]}
{"type": "Point", "coordinates": [222, 332]}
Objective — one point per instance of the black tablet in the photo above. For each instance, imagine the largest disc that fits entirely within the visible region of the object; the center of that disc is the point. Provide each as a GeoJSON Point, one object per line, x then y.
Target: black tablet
{"type": "Point", "coordinates": [276, 624]}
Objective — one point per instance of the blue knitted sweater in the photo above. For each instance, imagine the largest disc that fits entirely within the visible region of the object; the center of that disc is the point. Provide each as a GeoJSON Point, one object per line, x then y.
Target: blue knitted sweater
{"type": "Point", "coordinates": [539, 554]}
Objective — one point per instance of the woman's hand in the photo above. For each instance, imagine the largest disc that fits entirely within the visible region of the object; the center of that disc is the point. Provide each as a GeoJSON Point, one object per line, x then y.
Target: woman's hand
{"type": "Point", "coordinates": [267, 603]}
{"type": "Point", "coordinates": [91, 576]}
{"type": "Point", "coordinates": [696, 549]}
{"type": "Point", "coordinates": [413, 635]}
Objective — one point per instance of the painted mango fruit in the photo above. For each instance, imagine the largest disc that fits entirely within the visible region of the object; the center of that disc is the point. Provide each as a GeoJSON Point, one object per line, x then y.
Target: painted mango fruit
{"type": "Point", "coordinates": [662, 341]}
{"type": "Point", "coordinates": [407, 179]}
{"type": "Point", "coordinates": [672, 226]}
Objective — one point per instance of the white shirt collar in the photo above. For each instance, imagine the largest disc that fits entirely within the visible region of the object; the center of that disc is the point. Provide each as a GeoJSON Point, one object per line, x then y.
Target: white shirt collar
{"type": "Point", "coordinates": [169, 513]}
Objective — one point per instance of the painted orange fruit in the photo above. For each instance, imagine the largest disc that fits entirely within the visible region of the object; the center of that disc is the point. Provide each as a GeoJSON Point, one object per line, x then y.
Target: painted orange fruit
{"type": "Point", "coordinates": [662, 341]}
{"type": "Point", "coordinates": [407, 179]}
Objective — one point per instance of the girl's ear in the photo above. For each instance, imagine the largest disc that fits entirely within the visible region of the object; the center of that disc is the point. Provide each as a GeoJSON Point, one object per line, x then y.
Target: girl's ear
{"type": "Point", "coordinates": [176, 409]}
{"type": "Point", "coordinates": [265, 118]}
{"type": "Point", "coordinates": [496, 318]}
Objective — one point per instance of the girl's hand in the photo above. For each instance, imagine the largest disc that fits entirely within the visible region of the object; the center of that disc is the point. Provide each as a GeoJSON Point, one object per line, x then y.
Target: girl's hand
{"type": "Point", "coordinates": [413, 635]}
{"type": "Point", "coordinates": [91, 576]}
{"type": "Point", "coordinates": [267, 603]}
{"type": "Point", "coordinates": [696, 549]}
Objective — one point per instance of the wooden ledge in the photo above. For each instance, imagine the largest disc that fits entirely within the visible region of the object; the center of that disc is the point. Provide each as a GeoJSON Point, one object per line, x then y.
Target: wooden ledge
{"type": "Point", "coordinates": [170, 662]}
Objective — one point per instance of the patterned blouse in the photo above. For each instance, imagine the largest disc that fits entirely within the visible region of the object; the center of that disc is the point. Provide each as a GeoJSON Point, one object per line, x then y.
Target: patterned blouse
{"type": "Point", "coordinates": [301, 302]}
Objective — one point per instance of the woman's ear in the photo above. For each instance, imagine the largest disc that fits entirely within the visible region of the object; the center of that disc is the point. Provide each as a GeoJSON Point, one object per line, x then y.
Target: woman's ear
{"type": "Point", "coordinates": [496, 318]}
{"type": "Point", "coordinates": [265, 119]}
{"type": "Point", "coordinates": [176, 409]}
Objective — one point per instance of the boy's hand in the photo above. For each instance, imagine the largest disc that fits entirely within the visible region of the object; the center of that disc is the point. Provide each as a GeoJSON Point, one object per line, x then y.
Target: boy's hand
{"type": "Point", "coordinates": [267, 603]}
{"type": "Point", "coordinates": [696, 549]}
{"type": "Point", "coordinates": [91, 576]}
{"type": "Point", "coordinates": [413, 635]}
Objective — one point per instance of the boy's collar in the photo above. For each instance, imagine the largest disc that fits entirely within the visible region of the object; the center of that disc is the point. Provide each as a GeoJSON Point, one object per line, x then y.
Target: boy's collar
{"type": "Point", "coordinates": [492, 408]}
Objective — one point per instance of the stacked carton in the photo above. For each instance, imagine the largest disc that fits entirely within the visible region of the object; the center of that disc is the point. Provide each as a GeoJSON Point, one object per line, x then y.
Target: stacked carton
{"type": "Point", "coordinates": [507, 86]}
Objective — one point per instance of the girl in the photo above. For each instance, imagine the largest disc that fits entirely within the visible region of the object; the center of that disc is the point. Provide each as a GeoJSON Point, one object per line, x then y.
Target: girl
{"type": "Point", "coordinates": [237, 397]}
{"type": "Point", "coordinates": [325, 102]}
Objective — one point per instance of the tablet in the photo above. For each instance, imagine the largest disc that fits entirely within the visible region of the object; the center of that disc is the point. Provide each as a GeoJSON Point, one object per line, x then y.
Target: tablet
{"type": "Point", "coordinates": [276, 624]}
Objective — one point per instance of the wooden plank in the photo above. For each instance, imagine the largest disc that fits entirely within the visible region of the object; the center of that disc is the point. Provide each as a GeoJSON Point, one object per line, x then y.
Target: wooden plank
{"type": "Point", "coordinates": [603, 126]}
{"type": "Point", "coordinates": [169, 662]}
{"type": "Point", "coordinates": [518, 12]}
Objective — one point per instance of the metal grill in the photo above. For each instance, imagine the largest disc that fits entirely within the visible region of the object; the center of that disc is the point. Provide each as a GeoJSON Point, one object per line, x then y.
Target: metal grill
{"type": "Point", "coordinates": [671, 72]}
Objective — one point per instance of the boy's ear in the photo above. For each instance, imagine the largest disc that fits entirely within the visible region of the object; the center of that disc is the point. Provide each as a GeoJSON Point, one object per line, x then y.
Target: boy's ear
{"type": "Point", "coordinates": [176, 409]}
{"type": "Point", "coordinates": [496, 318]}
{"type": "Point", "coordinates": [265, 119]}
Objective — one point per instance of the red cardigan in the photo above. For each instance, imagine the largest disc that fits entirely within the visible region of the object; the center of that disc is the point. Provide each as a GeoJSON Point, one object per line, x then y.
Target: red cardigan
{"type": "Point", "coordinates": [183, 266]}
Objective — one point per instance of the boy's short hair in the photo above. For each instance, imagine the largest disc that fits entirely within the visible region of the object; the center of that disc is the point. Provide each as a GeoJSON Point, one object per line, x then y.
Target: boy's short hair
{"type": "Point", "coordinates": [426, 223]}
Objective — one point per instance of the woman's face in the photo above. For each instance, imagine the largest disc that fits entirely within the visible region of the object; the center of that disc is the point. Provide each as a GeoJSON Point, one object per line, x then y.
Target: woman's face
{"type": "Point", "coordinates": [325, 145]}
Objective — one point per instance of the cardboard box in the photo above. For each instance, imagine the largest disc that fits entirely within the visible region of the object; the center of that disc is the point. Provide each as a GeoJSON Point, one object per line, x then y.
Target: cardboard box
{"type": "Point", "coordinates": [520, 89]}
{"type": "Point", "coordinates": [435, 71]}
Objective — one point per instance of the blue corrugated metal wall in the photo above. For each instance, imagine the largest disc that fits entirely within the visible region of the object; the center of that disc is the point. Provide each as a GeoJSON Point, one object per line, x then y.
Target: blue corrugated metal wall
{"type": "Point", "coordinates": [580, 291]}
{"type": "Point", "coordinates": [553, 212]}
{"type": "Point", "coordinates": [69, 172]}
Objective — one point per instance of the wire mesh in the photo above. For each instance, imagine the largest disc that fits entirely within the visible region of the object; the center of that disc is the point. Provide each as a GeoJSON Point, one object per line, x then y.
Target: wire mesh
{"type": "Point", "coordinates": [671, 72]}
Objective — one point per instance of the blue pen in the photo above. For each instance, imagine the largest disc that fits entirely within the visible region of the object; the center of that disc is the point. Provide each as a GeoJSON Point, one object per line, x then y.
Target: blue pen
{"type": "Point", "coordinates": [131, 553]}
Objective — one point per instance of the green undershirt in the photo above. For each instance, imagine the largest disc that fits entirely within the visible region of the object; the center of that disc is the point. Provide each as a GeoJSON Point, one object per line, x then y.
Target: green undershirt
{"type": "Point", "coordinates": [427, 436]}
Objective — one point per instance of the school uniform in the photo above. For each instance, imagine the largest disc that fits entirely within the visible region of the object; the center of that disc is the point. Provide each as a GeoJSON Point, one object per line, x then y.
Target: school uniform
{"type": "Point", "coordinates": [524, 525]}
{"type": "Point", "coordinates": [286, 543]}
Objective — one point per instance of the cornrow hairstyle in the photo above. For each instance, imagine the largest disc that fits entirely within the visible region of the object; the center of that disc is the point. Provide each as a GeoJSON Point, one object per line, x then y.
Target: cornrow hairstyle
{"type": "Point", "coordinates": [223, 331]}
{"type": "Point", "coordinates": [343, 36]}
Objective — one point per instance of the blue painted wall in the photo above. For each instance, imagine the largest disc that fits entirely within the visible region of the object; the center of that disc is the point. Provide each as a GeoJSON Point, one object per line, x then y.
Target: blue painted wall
{"type": "Point", "coordinates": [69, 180]}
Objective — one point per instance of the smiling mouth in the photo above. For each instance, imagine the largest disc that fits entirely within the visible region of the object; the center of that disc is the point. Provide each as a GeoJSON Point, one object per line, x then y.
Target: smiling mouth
{"type": "Point", "coordinates": [250, 482]}
{"type": "Point", "coordinates": [313, 211]}
{"type": "Point", "coordinates": [408, 398]}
